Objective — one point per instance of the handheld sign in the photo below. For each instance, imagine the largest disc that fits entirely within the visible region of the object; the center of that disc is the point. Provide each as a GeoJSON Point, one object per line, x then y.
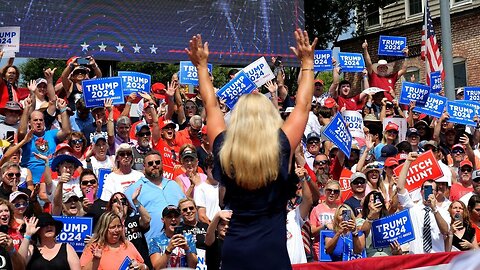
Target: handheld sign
{"type": "Point", "coordinates": [10, 39]}
{"type": "Point", "coordinates": [74, 231]}
{"type": "Point", "coordinates": [102, 175]}
{"type": "Point", "coordinates": [472, 93]}
{"type": "Point", "coordinates": [337, 132]}
{"type": "Point", "coordinates": [394, 227]}
{"type": "Point", "coordinates": [234, 89]}
{"type": "Point", "coordinates": [414, 92]}
{"type": "Point", "coordinates": [322, 60]}
{"type": "Point", "coordinates": [435, 82]}
{"type": "Point", "coordinates": [372, 90]}
{"type": "Point", "coordinates": [472, 103]}
{"type": "Point", "coordinates": [461, 113]}
{"type": "Point", "coordinates": [351, 62]}
{"type": "Point", "coordinates": [347, 244]}
{"type": "Point", "coordinates": [188, 73]}
{"type": "Point", "coordinates": [344, 180]}
{"type": "Point", "coordinates": [355, 123]}
{"type": "Point", "coordinates": [125, 264]}
{"type": "Point", "coordinates": [259, 72]}
{"type": "Point", "coordinates": [96, 91]}
{"type": "Point", "coordinates": [391, 46]}
{"type": "Point", "coordinates": [201, 263]}
{"type": "Point", "coordinates": [434, 107]}
{"type": "Point", "coordinates": [135, 82]}
{"type": "Point", "coordinates": [423, 168]}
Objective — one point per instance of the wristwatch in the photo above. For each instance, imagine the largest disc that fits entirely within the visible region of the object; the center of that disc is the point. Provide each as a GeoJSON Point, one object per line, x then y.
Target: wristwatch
{"type": "Point", "coordinates": [355, 234]}
{"type": "Point", "coordinates": [167, 252]}
{"type": "Point", "coordinates": [137, 205]}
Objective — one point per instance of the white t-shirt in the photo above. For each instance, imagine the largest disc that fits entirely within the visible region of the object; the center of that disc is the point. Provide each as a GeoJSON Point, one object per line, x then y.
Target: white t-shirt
{"type": "Point", "coordinates": [72, 185]}
{"type": "Point", "coordinates": [118, 183]}
{"type": "Point", "coordinates": [96, 165]}
{"type": "Point", "coordinates": [206, 195]}
{"type": "Point", "coordinates": [295, 248]}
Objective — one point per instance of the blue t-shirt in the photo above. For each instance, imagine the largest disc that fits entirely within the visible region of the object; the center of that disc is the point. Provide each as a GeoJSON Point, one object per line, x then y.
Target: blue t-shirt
{"type": "Point", "coordinates": [44, 145]}
{"type": "Point", "coordinates": [178, 258]}
{"type": "Point", "coordinates": [155, 199]}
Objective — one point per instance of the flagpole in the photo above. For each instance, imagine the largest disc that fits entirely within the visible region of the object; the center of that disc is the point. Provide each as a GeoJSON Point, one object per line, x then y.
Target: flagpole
{"type": "Point", "coordinates": [447, 49]}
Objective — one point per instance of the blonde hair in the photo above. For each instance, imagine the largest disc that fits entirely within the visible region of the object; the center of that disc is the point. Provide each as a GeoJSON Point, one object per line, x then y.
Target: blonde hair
{"type": "Point", "coordinates": [250, 153]}
{"type": "Point", "coordinates": [338, 213]}
{"type": "Point", "coordinates": [101, 230]}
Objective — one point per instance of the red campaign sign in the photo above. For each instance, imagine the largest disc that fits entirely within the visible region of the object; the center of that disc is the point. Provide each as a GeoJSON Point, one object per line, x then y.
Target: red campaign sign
{"type": "Point", "coordinates": [423, 168]}
{"type": "Point", "coordinates": [345, 179]}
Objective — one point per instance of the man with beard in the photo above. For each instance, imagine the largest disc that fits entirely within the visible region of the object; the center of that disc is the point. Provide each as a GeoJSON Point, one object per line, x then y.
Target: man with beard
{"type": "Point", "coordinates": [43, 142]}
{"type": "Point", "coordinates": [142, 145]}
{"type": "Point", "coordinates": [157, 192]}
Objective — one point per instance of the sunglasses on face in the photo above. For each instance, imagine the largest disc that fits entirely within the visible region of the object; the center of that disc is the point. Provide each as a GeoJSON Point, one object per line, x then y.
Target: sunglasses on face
{"type": "Point", "coordinates": [320, 162]}
{"type": "Point", "coordinates": [156, 162]}
{"type": "Point", "coordinates": [21, 205]}
{"type": "Point", "coordinates": [72, 200]}
{"type": "Point", "coordinates": [125, 154]}
{"type": "Point", "coordinates": [358, 182]}
{"type": "Point", "coordinates": [467, 169]}
{"type": "Point", "coordinates": [122, 201]}
{"type": "Point", "coordinates": [79, 141]}
{"type": "Point", "coordinates": [334, 191]}
{"type": "Point", "coordinates": [313, 142]}
{"type": "Point", "coordinates": [392, 132]}
{"type": "Point", "coordinates": [457, 151]}
{"type": "Point", "coordinates": [145, 134]}
{"type": "Point", "coordinates": [191, 208]}
{"type": "Point", "coordinates": [11, 175]}
{"type": "Point", "coordinates": [91, 182]}
{"type": "Point", "coordinates": [189, 107]}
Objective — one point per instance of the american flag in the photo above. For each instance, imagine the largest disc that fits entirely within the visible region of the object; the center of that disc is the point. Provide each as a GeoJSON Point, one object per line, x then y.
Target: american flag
{"type": "Point", "coordinates": [430, 51]}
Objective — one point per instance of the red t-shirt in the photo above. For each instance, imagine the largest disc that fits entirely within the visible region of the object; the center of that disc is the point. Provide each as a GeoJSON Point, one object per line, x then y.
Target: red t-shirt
{"type": "Point", "coordinates": [133, 128]}
{"type": "Point", "coordinates": [351, 104]}
{"type": "Point", "coordinates": [183, 137]}
{"type": "Point", "coordinates": [169, 157]}
{"type": "Point", "coordinates": [458, 190]}
{"type": "Point", "coordinates": [384, 83]}
{"type": "Point", "coordinates": [4, 93]}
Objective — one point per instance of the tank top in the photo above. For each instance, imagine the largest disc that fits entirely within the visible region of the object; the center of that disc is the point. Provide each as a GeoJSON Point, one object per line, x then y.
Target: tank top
{"type": "Point", "coordinates": [74, 95]}
{"type": "Point", "coordinates": [59, 262]}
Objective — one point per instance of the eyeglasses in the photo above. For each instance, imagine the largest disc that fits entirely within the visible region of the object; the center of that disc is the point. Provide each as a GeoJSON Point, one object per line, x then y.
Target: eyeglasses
{"type": "Point", "coordinates": [320, 162]}
{"type": "Point", "coordinates": [21, 205]}
{"type": "Point", "coordinates": [358, 182]}
{"type": "Point", "coordinates": [156, 162]}
{"type": "Point", "coordinates": [79, 141]}
{"type": "Point", "coordinates": [458, 151]}
{"type": "Point", "coordinates": [467, 169]}
{"type": "Point", "coordinates": [313, 142]}
{"type": "Point", "coordinates": [122, 201]}
{"type": "Point", "coordinates": [145, 134]}
{"type": "Point", "coordinates": [191, 208]}
{"type": "Point", "coordinates": [91, 182]}
{"type": "Point", "coordinates": [334, 191]}
{"type": "Point", "coordinates": [125, 154]}
{"type": "Point", "coordinates": [11, 175]}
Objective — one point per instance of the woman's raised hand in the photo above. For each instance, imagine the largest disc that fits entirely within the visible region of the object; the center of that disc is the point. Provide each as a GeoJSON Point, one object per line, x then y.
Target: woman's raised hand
{"type": "Point", "coordinates": [304, 49]}
{"type": "Point", "coordinates": [31, 225]}
{"type": "Point", "coordinates": [198, 51]}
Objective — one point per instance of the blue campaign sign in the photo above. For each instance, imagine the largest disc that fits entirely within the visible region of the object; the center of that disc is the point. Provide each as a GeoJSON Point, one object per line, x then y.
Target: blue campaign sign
{"type": "Point", "coordinates": [102, 175]}
{"type": "Point", "coordinates": [322, 60]}
{"type": "Point", "coordinates": [234, 89]}
{"type": "Point", "coordinates": [74, 231]}
{"type": "Point", "coordinates": [135, 82]}
{"type": "Point", "coordinates": [435, 82]}
{"type": "Point", "coordinates": [394, 227]}
{"type": "Point", "coordinates": [434, 107]}
{"type": "Point", "coordinates": [351, 62]}
{"type": "Point", "coordinates": [125, 264]}
{"type": "Point", "coordinates": [188, 73]}
{"type": "Point", "coordinates": [337, 132]}
{"type": "Point", "coordinates": [414, 92]}
{"type": "Point", "coordinates": [472, 93]}
{"type": "Point", "coordinates": [96, 91]}
{"type": "Point", "coordinates": [461, 113]}
{"type": "Point", "coordinates": [472, 103]}
{"type": "Point", "coordinates": [391, 46]}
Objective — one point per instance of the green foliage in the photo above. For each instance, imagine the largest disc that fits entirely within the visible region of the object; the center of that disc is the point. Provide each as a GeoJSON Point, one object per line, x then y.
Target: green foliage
{"type": "Point", "coordinates": [33, 69]}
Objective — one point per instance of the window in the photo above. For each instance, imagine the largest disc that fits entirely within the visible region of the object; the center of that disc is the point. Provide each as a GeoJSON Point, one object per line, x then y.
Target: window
{"type": "Point", "coordinates": [412, 74]}
{"type": "Point", "coordinates": [373, 16]}
{"type": "Point", "coordinates": [413, 7]}
{"type": "Point", "coordinates": [459, 2]}
{"type": "Point", "coordinates": [459, 72]}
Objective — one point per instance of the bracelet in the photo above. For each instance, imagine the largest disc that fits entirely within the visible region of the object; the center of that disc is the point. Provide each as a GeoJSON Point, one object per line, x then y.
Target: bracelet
{"type": "Point", "coordinates": [62, 110]}
{"type": "Point", "coordinates": [28, 237]}
{"type": "Point", "coordinates": [129, 103]}
{"type": "Point", "coordinates": [307, 69]}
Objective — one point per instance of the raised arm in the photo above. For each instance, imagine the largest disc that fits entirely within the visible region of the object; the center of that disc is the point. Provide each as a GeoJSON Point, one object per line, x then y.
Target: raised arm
{"type": "Point", "coordinates": [198, 54]}
{"type": "Point", "coordinates": [336, 80]}
{"type": "Point", "coordinates": [22, 127]}
{"type": "Point", "coordinates": [403, 70]}
{"type": "Point", "coordinates": [171, 90]}
{"type": "Point", "coordinates": [438, 127]}
{"type": "Point", "coordinates": [14, 148]}
{"type": "Point", "coordinates": [402, 178]}
{"type": "Point", "coordinates": [210, 236]}
{"type": "Point", "coordinates": [50, 89]}
{"type": "Point", "coordinates": [66, 127]}
{"type": "Point", "coordinates": [110, 125]}
{"type": "Point", "coordinates": [366, 55]}
{"type": "Point", "coordinates": [96, 69]}
{"type": "Point", "coordinates": [296, 122]}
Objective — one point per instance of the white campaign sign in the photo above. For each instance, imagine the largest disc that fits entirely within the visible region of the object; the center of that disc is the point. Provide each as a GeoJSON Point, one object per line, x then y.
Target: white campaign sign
{"type": "Point", "coordinates": [355, 123]}
{"type": "Point", "coordinates": [10, 39]}
{"type": "Point", "coordinates": [259, 72]}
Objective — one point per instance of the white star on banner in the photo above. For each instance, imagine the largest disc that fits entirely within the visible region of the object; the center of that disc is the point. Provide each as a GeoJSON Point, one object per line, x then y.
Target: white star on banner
{"type": "Point", "coordinates": [153, 49]}
{"type": "Point", "coordinates": [136, 49]}
{"type": "Point", "coordinates": [102, 47]}
{"type": "Point", "coordinates": [119, 48]}
{"type": "Point", "coordinates": [84, 47]}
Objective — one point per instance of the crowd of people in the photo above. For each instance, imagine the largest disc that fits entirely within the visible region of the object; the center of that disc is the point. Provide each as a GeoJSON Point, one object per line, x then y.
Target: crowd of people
{"type": "Point", "coordinates": [191, 182]}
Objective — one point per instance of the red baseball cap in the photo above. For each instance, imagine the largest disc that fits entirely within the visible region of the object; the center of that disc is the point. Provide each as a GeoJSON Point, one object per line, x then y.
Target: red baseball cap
{"type": "Point", "coordinates": [391, 126]}
{"type": "Point", "coordinates": [319, 81]}
{"type": "Point", "coordinates": [158, 90]}
{"type": "Point", "coordinates": [329, 103]}
{"type": "Point", "coordinates": [466, 162]}
{"type": "Point", "coordinates": [391, 161]}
